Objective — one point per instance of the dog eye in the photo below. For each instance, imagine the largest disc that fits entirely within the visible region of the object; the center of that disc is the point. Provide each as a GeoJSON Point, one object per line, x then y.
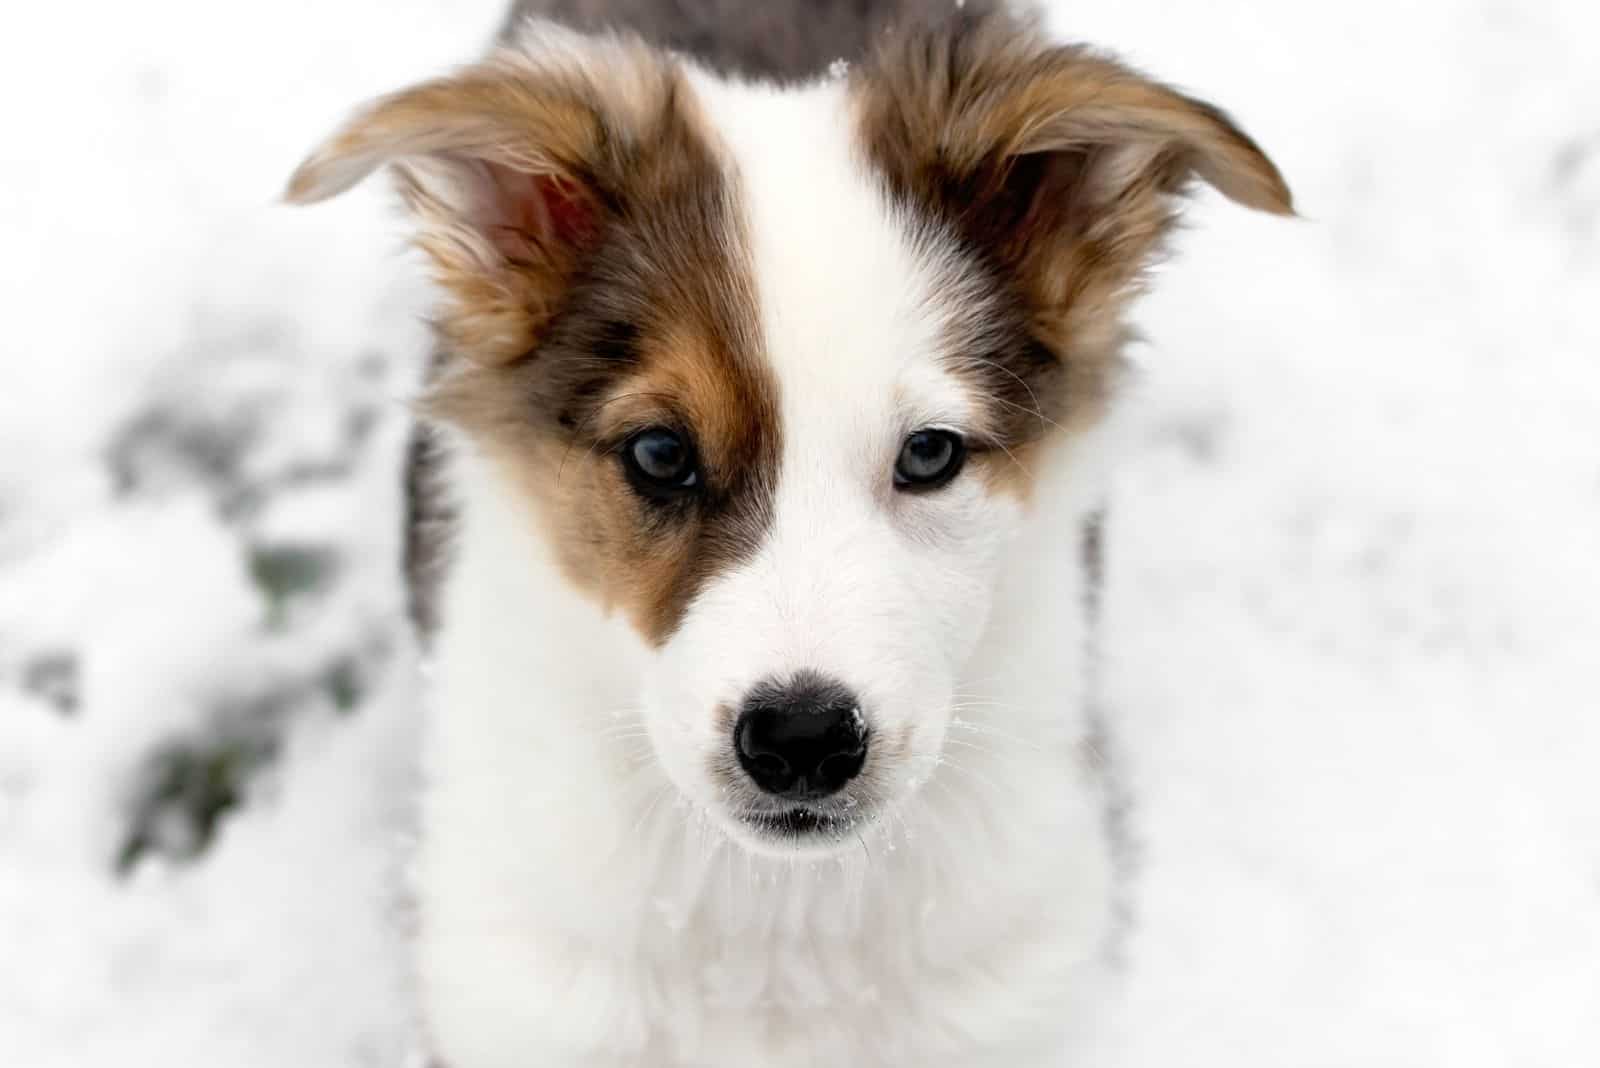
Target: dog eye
{"type": "Point", "coordinates": [929, 459]}
{"type": "Point", "coordinates": [660, 463]}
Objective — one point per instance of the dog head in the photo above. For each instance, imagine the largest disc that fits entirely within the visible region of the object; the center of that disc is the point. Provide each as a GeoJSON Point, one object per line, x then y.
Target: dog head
{"type": "Point", "coordinates": [773, 365]}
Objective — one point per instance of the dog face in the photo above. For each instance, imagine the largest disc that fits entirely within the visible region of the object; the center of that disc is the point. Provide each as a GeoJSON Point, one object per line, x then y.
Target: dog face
{"type": "Point", "coordinates": [773, 366]}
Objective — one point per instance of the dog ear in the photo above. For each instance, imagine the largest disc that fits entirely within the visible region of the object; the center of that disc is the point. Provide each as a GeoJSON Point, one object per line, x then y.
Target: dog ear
{"type": "Point", "coordinates": [1062, 165]}
{"type": "Point", "coordinates": [510, 169]}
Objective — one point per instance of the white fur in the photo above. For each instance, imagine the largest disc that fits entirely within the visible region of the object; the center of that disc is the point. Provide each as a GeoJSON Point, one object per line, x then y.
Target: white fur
{"type": "Point", "coordinates": [586, 897]}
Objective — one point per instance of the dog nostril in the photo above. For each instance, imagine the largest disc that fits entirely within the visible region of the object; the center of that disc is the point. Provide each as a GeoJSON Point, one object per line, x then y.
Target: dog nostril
{"type": "Point", "coordinates": [802, 739]}
{"type": "Point", "coordinates": [770, 764]}
{"type": "Point", "coordinates": [842, 767]}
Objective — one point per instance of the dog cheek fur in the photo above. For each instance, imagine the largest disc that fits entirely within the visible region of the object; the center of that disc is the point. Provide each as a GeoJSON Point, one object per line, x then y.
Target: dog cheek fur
{"type": "Point", "coordinates": [641, 558]}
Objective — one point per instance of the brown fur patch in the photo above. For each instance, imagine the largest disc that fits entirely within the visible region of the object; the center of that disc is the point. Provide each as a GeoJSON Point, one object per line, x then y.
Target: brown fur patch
{"type": "Point", "coordinates": [784, 40]}
{"type": "Point", "coordinates": [508, 168]}
{"type": "Point", "coordinates": [581, 225]}
{"type": "Point", "coordinates": [1058, 170]}
{"type": "Point", "coordinates": [644, 557]}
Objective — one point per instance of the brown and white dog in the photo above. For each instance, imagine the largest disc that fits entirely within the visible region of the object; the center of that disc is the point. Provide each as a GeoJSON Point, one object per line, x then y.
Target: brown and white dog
{"type": "Point", "coordinates": [778, 343]}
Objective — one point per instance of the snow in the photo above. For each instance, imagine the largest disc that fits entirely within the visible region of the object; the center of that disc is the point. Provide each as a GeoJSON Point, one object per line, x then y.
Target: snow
{"type": "Point", "coordinates": [1353, 649]}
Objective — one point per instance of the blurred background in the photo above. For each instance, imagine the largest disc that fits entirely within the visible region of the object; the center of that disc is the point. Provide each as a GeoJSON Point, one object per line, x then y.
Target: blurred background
{"type": "Point", "coordinates": [1353, 631]}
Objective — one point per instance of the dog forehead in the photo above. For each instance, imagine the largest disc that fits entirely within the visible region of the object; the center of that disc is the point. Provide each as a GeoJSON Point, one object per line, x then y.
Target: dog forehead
{"type": "Point", "coordinates": [851, 291]}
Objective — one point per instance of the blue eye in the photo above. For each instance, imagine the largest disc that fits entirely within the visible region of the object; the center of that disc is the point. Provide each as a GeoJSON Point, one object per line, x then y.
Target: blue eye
{"type": "Point", "coordinates": [660, 463]}
{"type": "Point", "coordinates": [929, 459]}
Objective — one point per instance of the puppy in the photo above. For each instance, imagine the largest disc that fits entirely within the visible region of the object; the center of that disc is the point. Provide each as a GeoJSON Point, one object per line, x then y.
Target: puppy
{"type": "Point", "coordinates": [776, 346]}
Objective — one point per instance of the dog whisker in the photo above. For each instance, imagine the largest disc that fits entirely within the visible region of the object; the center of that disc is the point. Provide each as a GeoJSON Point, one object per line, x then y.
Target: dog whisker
{"type": "Point", "coordinates": [996, 792]}
{"type": "Point", "coordinates": [984, 730]}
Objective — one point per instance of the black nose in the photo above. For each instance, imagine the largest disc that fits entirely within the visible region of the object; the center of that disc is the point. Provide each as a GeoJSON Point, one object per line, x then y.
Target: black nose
{"type": "Point", "coordinates": [802, 739]}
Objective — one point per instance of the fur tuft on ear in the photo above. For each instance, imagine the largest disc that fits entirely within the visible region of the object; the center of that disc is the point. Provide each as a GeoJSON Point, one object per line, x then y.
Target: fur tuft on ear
{"type": "Point", "coordinates": [510, 168]}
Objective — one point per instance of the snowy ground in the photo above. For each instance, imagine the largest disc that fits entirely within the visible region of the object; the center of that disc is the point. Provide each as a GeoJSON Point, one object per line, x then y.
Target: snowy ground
{"type": "Point", "coordinates": [1354, 610]}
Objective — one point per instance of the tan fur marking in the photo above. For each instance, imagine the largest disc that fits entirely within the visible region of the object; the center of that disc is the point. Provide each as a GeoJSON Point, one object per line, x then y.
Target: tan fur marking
{"type": "Point", "coordinates": [642, 558]}
{"type": "Point", "coordinates": [467, 149]}
{"type": "Point", "coordinates": [569, 197]}
{"type": "Point", "coordinates": [1059, 170]}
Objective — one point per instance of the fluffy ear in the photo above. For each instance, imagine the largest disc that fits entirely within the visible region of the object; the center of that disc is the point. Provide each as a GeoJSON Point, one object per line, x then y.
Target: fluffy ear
{"type": "Point", "coordinates": [509, 167]}
{"type": "Point", "coordinates": [1061, 164]}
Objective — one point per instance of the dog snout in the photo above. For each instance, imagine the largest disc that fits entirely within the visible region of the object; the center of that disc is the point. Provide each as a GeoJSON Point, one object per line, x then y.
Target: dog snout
{"type": "Point", "coordinates": [801, 739]}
